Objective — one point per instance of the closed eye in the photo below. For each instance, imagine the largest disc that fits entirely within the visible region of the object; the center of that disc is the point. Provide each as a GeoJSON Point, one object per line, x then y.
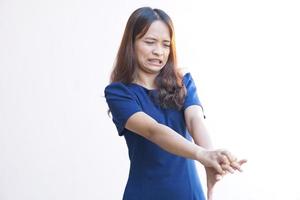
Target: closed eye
{"type": "Point", "coordinates": [149, 42]}
{"type": "Point", "coordinates": [153, 42]}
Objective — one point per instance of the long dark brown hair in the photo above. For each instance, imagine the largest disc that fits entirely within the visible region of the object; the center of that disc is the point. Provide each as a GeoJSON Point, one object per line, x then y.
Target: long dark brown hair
{"type": "Point", "coordinates": [171, 90]}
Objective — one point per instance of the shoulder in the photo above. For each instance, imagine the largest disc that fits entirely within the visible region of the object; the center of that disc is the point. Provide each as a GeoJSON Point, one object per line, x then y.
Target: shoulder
{"type": "Point", "coordinates": [187, 78]}
{"type": "Point", "coordinates": [117, 88]}
{"type": "Point", "coordinates": [114, 85]}
{"type": "Point", "coordinates": [185, 74]}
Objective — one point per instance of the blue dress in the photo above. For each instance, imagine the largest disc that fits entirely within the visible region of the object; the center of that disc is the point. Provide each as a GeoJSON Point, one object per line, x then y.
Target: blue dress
{"type": "Point", "coordinates": [155, 174]}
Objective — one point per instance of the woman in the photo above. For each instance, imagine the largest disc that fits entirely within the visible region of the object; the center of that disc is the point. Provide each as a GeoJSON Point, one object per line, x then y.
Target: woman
{"type": "Point", "coordinates": [157, 110]}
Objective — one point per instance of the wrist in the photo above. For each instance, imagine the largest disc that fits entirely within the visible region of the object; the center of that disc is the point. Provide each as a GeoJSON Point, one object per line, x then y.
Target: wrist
{"type": "Point", "coordinates": [199, 154]}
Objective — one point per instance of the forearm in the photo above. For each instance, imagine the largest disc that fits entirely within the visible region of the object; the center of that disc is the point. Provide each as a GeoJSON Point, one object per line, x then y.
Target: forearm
{"type": "Point", "coordinates": [173, 142]}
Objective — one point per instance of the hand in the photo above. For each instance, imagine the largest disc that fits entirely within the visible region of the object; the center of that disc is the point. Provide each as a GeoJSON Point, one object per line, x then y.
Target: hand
{"type": "Point", "coordinates": [221, 160]}
{"type": "Point", "coordinates": [216, 159]}
{"type": "Point", "coordinates": [233, 164]}
{"type": "Point", "coordinates": [212, 177]}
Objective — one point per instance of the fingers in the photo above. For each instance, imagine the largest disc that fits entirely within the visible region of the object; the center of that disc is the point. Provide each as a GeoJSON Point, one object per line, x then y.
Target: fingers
{"type": "Point", "coordinates": [228, 168]}
{"type": "Point", "coordinates": [218, 177]}
{"type": "Point", "coordinates": [243, 161]}
{"type": "Point", "coordinates": [225, 159]}
{"type": "Point", "coordinates": [229, 156]}
{"type": "Point", "coordinates": [221, 170]}
{"type": "Point", "coordinates": [229, 162]}
{"type": "Point", "coordinates": [222, 161]}
{"type": "Point", "coordinates": [218, 168]}
{"type": "Point", "coordinates": [238, 164]}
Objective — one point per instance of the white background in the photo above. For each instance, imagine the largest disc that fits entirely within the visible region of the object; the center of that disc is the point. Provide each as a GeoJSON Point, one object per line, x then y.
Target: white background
{"type": "Point", "coordinates": [56, 140]}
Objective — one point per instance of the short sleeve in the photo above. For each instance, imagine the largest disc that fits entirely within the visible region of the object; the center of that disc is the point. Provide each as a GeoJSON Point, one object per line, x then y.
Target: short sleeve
{"type": "Point", "coordinates": [122, 104]}
{"type": "Point", "coordinates": [191, 96]}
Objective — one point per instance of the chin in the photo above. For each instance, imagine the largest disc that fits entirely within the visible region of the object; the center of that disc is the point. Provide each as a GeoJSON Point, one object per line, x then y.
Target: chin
{"type": "Point", "coordinates": [156, 70]}
{"type": "Point", "coordinates": [153, 68]}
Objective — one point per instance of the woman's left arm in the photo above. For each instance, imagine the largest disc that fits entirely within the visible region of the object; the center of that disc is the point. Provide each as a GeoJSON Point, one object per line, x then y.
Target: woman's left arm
{"type": "Point", "coordinates": [195, 124]}
{"type": "Point", "coordinates": [196, 127]}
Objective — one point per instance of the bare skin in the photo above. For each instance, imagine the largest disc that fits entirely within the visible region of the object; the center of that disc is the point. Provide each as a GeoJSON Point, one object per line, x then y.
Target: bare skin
{"type": "Point", "coordinates": [152, 52]}
{"type": "Point", "coordinates": [200, 135]}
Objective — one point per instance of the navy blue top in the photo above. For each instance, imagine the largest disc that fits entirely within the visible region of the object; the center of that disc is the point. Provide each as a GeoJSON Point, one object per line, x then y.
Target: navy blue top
{"type": "Point", "coordinates": [155, 174]}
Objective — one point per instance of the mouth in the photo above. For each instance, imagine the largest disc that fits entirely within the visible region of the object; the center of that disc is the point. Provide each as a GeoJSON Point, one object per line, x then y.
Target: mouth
{"type": "Point", "coordinates": [155, 61]}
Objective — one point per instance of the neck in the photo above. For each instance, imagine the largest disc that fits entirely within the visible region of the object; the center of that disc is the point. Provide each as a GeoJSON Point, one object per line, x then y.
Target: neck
{"type": "Point", "coordinates": [145, 79]}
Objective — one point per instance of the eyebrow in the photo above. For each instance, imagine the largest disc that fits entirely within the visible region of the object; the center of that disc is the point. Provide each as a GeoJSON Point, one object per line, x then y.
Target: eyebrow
{"type": "Point", "coordinates": [152, 38]}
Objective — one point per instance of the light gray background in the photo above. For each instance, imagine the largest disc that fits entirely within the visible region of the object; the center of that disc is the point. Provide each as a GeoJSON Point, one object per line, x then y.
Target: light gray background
{"type": "Point", "coordinates": [56, 140]}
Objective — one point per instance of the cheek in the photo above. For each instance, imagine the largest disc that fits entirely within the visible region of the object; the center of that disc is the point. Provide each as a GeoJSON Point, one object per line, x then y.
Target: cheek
{"type": "Point", "coordinates": [144, 52]}
{"type": "Point", "coordinates": [139, 54]}
{"type": "Point", "coordinates": [167, 54]}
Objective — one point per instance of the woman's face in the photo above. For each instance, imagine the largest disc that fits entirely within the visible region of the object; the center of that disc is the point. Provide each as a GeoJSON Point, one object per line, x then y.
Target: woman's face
{"type": "Point", "coordinates": [153, 49]}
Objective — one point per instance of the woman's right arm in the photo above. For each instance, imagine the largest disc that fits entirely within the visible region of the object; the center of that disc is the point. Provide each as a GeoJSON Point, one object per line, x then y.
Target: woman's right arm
{"type": "Point", "coordinates": [171, 141]}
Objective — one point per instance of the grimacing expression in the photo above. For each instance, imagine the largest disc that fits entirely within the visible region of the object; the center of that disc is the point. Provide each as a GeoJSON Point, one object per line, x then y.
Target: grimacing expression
{"type": "Point", "coordinates": [153, 49]}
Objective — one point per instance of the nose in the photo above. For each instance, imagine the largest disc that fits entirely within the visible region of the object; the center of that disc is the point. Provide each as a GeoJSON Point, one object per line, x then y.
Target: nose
{"type": "Point", "coordinates": [158, 50]}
